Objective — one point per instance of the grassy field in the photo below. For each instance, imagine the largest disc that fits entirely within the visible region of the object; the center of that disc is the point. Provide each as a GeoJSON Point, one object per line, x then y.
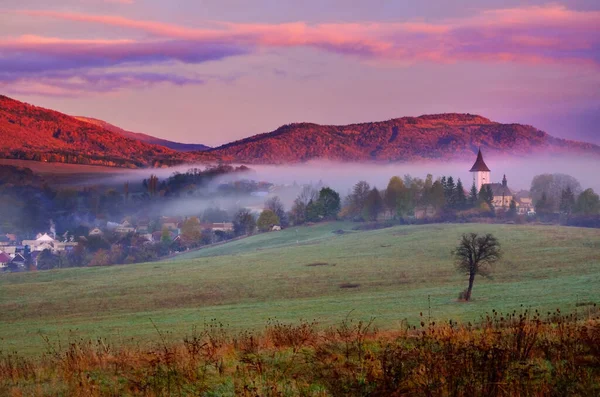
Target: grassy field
{"type": "Point", "coordinates": [306, 273]}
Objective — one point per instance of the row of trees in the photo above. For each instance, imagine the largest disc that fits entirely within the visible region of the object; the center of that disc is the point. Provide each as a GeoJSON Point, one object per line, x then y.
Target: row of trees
{"type": "Point", "coordinates": [446, 197]}
{"type": "Point", "coordinates": [586, 203]}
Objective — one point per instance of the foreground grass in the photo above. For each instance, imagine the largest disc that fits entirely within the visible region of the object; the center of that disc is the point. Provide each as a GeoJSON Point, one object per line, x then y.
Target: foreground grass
{"type": "Point", "coordinates": [513, 354]}
{"type": "Point", "coordinates": [392, 274]}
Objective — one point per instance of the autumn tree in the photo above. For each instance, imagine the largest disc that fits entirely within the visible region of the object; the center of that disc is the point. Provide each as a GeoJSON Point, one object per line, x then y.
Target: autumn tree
{"type": "Point", "coordinates": [267, 220]}
{"type": "Point", "coordinates": [475, 255]}
{"type": "Point", "coordinates": [394, 191]}
{"type": "Point", "coordinates": [191, 232]}
{"type": "Point", "coordinates": [165, 236]}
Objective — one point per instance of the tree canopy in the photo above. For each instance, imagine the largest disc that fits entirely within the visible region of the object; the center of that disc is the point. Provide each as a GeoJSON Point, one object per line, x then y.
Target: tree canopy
{"type": "Point", "coordinates": [475, 255]}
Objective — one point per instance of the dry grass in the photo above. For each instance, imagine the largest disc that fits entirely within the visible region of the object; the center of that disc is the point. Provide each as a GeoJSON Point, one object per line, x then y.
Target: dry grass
{"type": "Point", "coordinates": [513, 354]}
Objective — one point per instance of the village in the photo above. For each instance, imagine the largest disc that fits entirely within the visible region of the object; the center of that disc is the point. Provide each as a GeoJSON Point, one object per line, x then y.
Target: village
{"type": "Point", "coordinates": [138, 238]}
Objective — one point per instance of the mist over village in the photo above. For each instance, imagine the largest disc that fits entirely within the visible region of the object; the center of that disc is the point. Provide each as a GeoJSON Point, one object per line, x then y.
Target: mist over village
{"type": "Point", "coordinates": [299, 198]}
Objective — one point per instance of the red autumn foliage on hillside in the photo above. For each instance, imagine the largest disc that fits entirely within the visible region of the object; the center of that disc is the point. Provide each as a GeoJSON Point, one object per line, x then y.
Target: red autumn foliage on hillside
{"type": "Point", "coordinates": [33, 133]}
{"type": "Point", "coordinates": [442, 136]}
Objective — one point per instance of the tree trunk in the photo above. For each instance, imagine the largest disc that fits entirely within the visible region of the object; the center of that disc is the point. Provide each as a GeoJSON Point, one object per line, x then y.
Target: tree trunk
{"type": "Point", "coordinates": [471, 280]}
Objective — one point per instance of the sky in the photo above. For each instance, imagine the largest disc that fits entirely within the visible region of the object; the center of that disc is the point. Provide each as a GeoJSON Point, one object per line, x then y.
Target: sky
{"type": "Point", "coordinates": [213, 71]}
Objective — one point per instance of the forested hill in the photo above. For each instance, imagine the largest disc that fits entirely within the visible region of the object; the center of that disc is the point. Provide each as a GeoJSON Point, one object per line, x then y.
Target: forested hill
{"type": "Point", "coordinates": [441, 136]}
{"type": "Point", "coordinates": [32, 133]}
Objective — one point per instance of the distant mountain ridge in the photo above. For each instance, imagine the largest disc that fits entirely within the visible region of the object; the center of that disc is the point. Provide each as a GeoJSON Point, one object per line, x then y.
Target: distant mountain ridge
{"type": "Point", "coordinates": [180, 147]}
{"type": "Point", "coordinates": [29, 132]}
{"type": "Point", "coordinates": [437, 137]}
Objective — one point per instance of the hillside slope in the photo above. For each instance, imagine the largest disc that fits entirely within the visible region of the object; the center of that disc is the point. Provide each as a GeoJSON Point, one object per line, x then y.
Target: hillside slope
{"type": "Point", "coordinates": [32, 133]}
{"type": "Point", "coordinates": [180, 147]}
{"type": "Point", "coordinates": [442, 136]}
{"type": "Point", "coordinates": [391, 274]}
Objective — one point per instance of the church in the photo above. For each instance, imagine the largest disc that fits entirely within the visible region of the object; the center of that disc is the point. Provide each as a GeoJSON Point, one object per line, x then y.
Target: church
{"type": "Point", "coordinates": [502, 195]}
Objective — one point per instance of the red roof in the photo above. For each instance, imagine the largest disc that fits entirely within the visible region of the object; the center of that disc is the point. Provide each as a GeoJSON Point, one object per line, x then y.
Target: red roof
{"type": "Point", "coordinates": [479, 164]}
{"type": "Point", "coordinates": [4, 258]}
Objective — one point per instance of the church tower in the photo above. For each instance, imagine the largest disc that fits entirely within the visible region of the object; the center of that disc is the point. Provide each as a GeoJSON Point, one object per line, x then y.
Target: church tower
{"type": "Point", "coordinates": [481, 172]}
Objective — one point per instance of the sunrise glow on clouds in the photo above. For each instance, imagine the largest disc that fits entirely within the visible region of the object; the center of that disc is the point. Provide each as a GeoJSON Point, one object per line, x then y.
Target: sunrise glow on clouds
{"type": "Point", "coordinates": [529, 34]}
{"type": "Point", "coordinates": [152, 52]}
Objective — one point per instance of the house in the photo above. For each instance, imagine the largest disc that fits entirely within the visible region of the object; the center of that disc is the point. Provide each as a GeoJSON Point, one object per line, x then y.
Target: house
{"type": "Point", "coordinates": [525, 205]}
{"type": "Point", "coordinates": [148, 237]}
{"type": "Point", "coordinates": [4, 241]}
{"type": "Point", "coordinates": [4, 260]}
{"type": "Point", "coordinates": [125, 228]}
{"type": "Point", "coordinates": [501, 193]}
{"type": "Point", "coordinates": [42, 242]}
{"type": "Point", "coordinates": [143, 228]}
{"type": "Point", "coordinates": [96, 232]}
{"type": "Point", "coordinates": [222, 227]}
{"type": "Point", "coordinates": [65, 246]}
{"type": "Point", "coordinates": [45, 242]}
{"type": "Point", "coordinates": [12, 249]}
{"type": "Point", "coordinates": [17, 264]}
{"type": "Point", "coordinates": [170, 223]}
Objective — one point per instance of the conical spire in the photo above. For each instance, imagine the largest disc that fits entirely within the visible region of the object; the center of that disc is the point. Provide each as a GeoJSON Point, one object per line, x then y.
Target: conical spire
{"type": "Point", "coordinates": [480, 164]}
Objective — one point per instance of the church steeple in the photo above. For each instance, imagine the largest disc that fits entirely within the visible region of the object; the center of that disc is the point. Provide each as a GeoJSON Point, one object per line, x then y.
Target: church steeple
{"type": "Point", "coordinates": [480, 164]}
{"type": "Point", "coordinates": [481, 172]}
{"type": "Point", "coordinates": [504, 182]}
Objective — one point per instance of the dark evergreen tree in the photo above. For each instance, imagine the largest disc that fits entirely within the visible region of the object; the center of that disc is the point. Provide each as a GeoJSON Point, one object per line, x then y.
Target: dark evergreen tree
{"type": "Point", "coordinates": [329, 202]}
{"type": "Point", "coordinates": [567, 201]}
{"type": "Point", "coordinates": [450, 192]}
{"type": "Point", "coordinates": [543, 206]}
{"type": "Point", "coordinates": [460, 199]}
{"type": "Point", "coordinates": [473, 196]}
{"type": "Point", "coordinates": [512, 210]}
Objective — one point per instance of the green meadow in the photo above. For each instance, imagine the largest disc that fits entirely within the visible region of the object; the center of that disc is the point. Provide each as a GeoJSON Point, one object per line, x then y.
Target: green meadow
{"type": "Point", "coordinates": [324, 273]}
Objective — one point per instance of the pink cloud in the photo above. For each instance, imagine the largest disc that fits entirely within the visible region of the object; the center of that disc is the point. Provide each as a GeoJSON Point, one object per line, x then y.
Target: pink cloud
{"type": "Point", "coordinates": [119, 1]}
{"type": "Point", "coordinates": [66, 84]}
{"type": "Point", "coordinates": [526, 34]}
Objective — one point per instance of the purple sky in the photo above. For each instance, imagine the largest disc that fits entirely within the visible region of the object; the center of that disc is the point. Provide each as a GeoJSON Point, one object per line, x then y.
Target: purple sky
{"type": "Point", "coordinates": [213, 71]}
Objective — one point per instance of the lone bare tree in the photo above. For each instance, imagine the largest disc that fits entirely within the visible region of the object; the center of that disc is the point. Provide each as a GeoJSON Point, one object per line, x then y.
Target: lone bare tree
{"type": "Point", "coordinates": [474, 255]}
